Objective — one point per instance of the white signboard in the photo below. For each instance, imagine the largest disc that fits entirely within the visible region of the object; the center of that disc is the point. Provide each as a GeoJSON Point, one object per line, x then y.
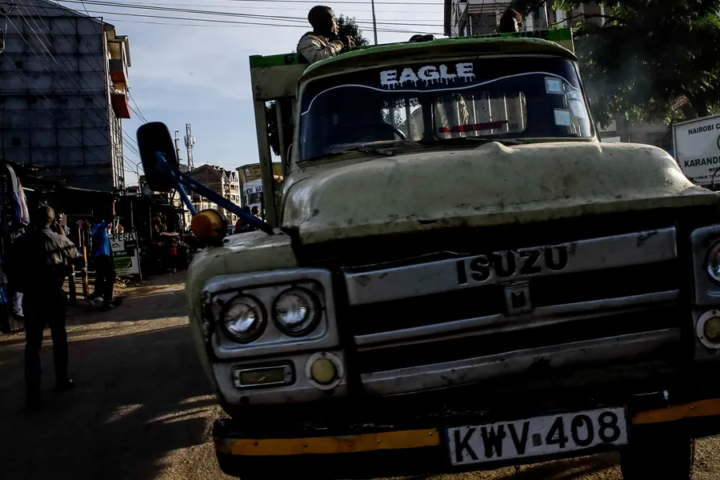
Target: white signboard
{"type": "Point", "coordinates": [611, 140]}
{"type": "Point", "coordinates": [697, 148]}
{"type": "Point", "coordinates": [125, 253]}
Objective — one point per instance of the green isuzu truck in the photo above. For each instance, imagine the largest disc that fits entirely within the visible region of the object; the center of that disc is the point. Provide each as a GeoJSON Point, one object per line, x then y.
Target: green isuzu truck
{"type": "Point", "coordinates": [461, 276]}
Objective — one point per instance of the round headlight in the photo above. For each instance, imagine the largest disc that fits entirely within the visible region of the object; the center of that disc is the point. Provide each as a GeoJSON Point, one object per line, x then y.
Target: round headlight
{"type": "Point", "coordinates": [244, 319]}
{"type": "Point", "coordinates": [296, 312]}
{"type": "Point", "coordinates": [713, 263]}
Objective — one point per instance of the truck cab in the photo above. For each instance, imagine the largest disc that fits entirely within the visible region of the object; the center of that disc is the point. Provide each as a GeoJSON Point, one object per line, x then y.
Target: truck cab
{"type": "Point", "coordinates": [460, 277]}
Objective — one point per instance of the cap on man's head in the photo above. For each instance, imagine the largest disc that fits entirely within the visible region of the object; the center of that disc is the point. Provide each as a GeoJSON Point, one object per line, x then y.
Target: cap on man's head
{"type": "Point", "coordinates": [319, 16]}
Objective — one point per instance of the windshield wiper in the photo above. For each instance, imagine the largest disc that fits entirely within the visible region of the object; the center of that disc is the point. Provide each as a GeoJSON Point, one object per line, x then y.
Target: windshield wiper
{"type": "Point", "coordinates": [385, 147]}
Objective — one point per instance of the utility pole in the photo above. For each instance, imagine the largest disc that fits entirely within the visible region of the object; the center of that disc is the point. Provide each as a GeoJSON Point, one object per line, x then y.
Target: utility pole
{"type": "Point", "coordinates": [189, 142]}
{"type": "Point", "coordinates": [374, 22]}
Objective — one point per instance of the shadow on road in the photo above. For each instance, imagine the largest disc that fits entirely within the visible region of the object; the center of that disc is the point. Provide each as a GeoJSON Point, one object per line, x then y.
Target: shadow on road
{"type": "Point", "coordinates": [140, 395]}
{"type": "Point", "coordinates": [142, 403]}
{"type": "Point", "coordinates": [565, 470]}
{"type": "Point", "coordinates": [149, 307]}
{"type": "Point", "coordinates": [569, 469]}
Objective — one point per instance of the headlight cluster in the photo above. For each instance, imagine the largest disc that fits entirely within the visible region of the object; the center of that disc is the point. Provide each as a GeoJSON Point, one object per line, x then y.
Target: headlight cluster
{"type": "Point", "coordinates": [295, 312]}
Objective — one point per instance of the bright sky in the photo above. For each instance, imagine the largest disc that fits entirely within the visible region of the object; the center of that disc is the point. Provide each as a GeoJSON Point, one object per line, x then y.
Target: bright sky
{"type": "Point", "coordinates": [198, 73]}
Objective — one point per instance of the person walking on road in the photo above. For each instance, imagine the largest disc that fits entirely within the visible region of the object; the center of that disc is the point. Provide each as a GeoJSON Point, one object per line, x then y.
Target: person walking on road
{"type": "Point", "coordinates": [104, 265]}
{"type": "Point", "coordinates": [42, 258]}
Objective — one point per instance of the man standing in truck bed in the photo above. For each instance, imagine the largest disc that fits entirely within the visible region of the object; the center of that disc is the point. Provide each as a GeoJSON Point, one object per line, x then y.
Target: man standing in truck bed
{"type": "Point", "coordinates": [323, 41]}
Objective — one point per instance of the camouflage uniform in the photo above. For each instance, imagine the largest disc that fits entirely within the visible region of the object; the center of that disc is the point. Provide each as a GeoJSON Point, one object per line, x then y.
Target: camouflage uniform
{"type": "Point", "coordinates": [314, 47]}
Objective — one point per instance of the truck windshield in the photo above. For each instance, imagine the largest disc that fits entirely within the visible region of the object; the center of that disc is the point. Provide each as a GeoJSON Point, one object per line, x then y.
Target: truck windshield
{"type": "Point", "coordinates": [434, 102]}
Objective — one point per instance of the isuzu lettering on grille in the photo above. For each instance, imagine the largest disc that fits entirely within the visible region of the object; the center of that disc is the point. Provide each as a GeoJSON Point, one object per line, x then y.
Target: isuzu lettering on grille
{"type": "Point", "coordinates": [511, 264]}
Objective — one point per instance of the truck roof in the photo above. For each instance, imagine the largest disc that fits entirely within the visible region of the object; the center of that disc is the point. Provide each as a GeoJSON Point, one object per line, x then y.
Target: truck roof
{"type": "Point", "coordinates": [500, 44]}
{"type": "Point", "coordinates": [276, 76]}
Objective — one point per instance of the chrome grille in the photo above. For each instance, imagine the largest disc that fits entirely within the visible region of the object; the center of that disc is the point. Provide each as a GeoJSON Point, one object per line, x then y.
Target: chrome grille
{"type": "Point", "coordinates": [611, 289]}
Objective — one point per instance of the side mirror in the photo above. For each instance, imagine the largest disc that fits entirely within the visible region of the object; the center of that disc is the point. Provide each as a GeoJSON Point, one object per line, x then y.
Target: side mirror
{"type": "Point", "coordinates": [152, 138]}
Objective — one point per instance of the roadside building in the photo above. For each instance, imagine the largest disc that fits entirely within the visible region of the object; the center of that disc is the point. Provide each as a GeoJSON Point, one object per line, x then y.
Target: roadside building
{"type": "Point", "coordinates": [225, 182]}
{"type": "Point", "coordinates": [465, 18]}
{"type": "Point", "coordinates": [63, 95]}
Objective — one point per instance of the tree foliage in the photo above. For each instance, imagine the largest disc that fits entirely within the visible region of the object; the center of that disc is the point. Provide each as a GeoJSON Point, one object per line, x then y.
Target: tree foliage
{"type": "Point", "coordinates": [349, 27]}
{"type": "Point", "coordinates": [642, 55]}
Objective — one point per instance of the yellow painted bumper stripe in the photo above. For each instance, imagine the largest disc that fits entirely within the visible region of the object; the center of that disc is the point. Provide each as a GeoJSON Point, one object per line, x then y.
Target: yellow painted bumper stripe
{"type": "Point", "coordinates": [352, 443]}
{"type": "Point", "coordinates": [417, 438]}
{"type": "Point", "coordinates": [703, 408]}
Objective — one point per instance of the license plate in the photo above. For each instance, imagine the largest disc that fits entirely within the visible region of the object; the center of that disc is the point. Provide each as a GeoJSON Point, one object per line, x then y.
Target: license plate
{"type": "Point", "coordinates": [537, 436]}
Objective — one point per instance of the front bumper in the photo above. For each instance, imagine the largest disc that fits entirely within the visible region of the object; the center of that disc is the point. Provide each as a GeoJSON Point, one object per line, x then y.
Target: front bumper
{"type": "Point", "coordinates": [417, 444]}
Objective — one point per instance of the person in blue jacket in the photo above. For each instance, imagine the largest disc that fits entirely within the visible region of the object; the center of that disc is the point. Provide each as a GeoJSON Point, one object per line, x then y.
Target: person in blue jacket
{"type": "Point", "coordinates": [104, 264]}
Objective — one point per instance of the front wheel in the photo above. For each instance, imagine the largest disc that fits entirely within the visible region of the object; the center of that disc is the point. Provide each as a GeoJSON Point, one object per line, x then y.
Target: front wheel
{"type": "Point", "coordinates": [665, 455]}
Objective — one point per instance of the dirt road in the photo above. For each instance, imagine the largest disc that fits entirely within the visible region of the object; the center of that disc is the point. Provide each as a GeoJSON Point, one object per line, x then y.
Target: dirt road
{"type": "Point", "coordinates": [142, 408]}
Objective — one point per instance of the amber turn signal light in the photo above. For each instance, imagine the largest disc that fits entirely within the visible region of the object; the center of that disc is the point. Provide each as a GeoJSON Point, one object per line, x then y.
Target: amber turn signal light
{"type": "Point", "coordinates": [210, 226]}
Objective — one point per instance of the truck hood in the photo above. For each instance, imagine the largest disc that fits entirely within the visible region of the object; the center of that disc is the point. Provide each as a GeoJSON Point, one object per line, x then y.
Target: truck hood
{"type": "Point", "coordinates": [485, 186]}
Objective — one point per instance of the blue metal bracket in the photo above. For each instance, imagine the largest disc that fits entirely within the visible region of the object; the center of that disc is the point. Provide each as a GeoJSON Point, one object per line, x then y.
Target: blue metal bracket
{"type": "Point", "coordinates": [183, 180]}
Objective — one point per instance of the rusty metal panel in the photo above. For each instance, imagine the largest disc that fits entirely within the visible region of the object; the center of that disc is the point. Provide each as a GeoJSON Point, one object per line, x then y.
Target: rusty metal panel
{"type": "Point", "coordinates": [495, 366]}
{"type": "Point", "coordinates": [271, 214]}
{"type": "Point", "coordinates": [485, 186]}
{"type": "Point", "coordinates": [269, 83]}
